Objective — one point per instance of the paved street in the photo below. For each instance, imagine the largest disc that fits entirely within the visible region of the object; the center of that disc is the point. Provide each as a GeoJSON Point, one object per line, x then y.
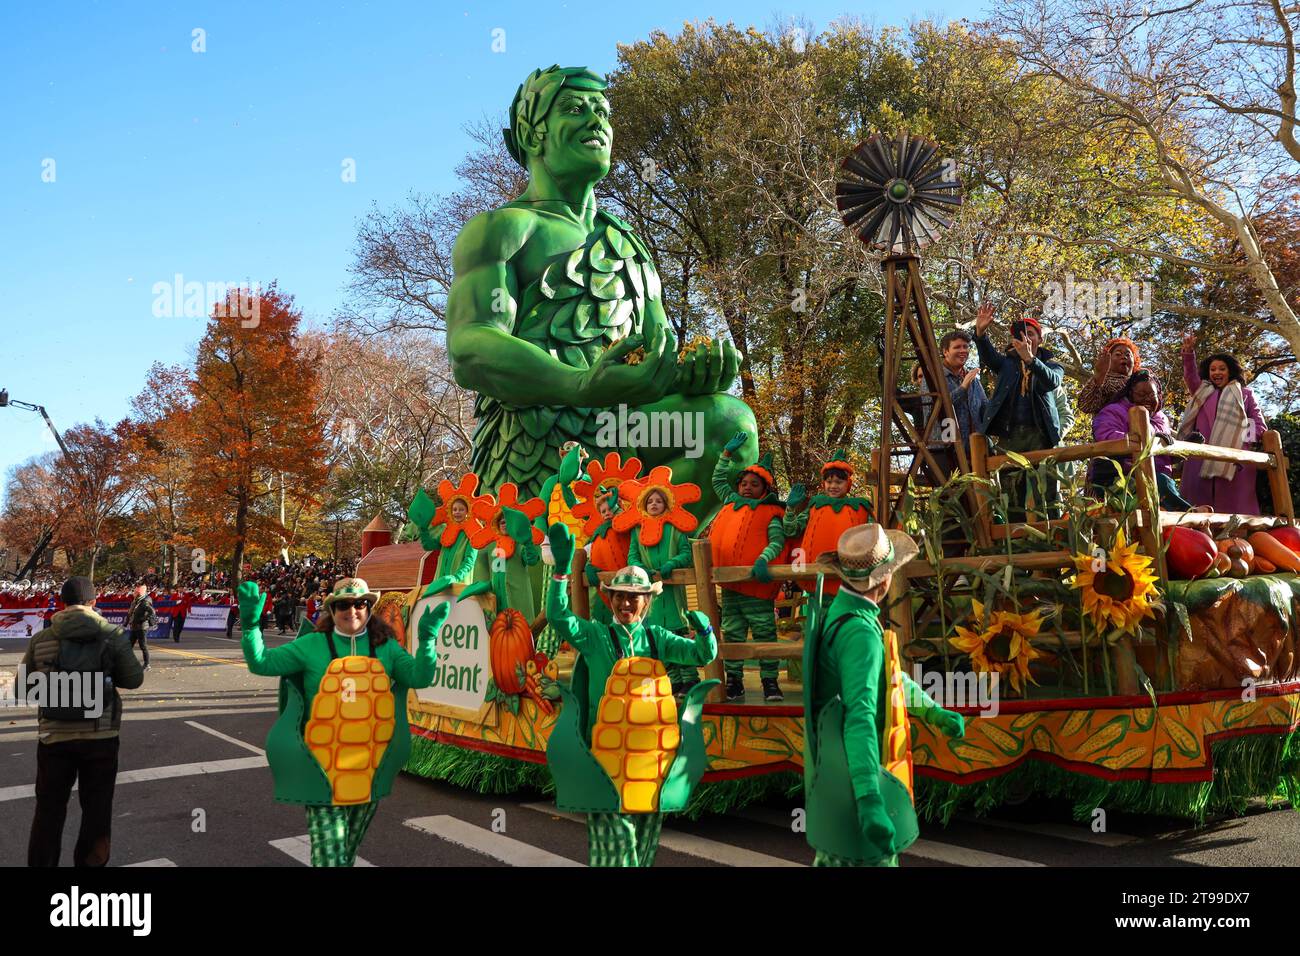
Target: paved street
{"type": "Point", "coordinates": [192, 753]}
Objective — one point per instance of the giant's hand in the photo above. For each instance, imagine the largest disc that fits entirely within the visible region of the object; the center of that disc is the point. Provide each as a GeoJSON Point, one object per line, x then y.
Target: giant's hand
{"type": "Point", "coordinates": [707, 369]}
{"type": "Point", "coordinates": [610, 381]}
{"type": "Point", "coordinates": [251, 601]}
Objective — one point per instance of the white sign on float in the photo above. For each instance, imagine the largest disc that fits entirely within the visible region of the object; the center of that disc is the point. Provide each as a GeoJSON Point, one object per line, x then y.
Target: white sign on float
{"type": "Point", "coordinates": [461, 666]}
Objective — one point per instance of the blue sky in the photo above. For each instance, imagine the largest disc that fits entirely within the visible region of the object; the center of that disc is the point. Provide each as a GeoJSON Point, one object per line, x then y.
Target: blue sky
{"type": "Point", "coordinates": [226, 165]}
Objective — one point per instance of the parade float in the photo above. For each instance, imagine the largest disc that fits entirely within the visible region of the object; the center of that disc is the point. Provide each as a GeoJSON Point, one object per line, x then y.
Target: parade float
{"type": "Point", "coordinates": [1105, 651]}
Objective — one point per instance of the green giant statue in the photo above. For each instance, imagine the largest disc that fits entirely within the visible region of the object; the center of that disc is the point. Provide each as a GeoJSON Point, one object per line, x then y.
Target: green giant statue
{"type": "Point", "coordinates": [555, 300]}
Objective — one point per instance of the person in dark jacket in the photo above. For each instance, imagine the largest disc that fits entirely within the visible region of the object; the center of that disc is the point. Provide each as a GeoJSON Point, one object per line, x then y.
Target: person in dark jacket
{"type": "Point", "coordinates": [140, 620]}
{"type": "Point", "coordinates": [78, 751]}
{"type": "Point", "coordinates": [1022, 414]}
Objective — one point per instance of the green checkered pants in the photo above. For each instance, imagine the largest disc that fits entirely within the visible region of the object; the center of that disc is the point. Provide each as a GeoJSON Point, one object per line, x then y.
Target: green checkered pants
{"type": "Point", "coordinates": [742, 615]}
{"type": "Point", "coordinates": [830, 859]}
{"type": "Point", "coordinates": [623, 839]}
{"type": "Point", "coordinates": [337, 832]}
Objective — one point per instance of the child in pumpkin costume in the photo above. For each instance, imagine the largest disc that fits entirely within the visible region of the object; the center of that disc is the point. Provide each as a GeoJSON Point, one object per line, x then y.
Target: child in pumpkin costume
{"type": "Point", "coordinates": [618, 751]}
{"type": "Point", "coordinates": [747, 530]}
{"type": "Point", "coordinates": [828, 515]}
{"type": "Point", "coordinates": [857, 697]}
{"type": "Point", "coordinates": [342, 733]}
{"type": "Point", "coordinates": [659, 522]}
{"type": "Point", "coordinates": [508, 546]}
{"type": "Point", "coordinates": [607, 547]}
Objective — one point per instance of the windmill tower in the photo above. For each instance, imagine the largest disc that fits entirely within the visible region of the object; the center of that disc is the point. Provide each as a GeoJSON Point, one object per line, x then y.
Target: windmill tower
{"type": "Point", "coordinates": [898, 195]}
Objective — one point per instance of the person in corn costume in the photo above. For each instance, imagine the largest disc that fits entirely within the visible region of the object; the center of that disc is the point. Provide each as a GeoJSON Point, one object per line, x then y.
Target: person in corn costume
{"type": "Point", "coordinates": [857, 698]}
{"type": "Point", "coordinates": [817, 528]}
{"type": "Point", "coordinates": [659, 522]}
{"type": "Point", "coordinates": [747, 530]}
{"type": "Point", "coordinates": [622, 751]}
{"type": "Point", "coordinates": [342, 733]}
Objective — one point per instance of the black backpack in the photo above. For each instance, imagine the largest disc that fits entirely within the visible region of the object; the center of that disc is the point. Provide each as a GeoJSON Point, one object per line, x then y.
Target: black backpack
{"type": "Point", "coordinates": [75, 659]}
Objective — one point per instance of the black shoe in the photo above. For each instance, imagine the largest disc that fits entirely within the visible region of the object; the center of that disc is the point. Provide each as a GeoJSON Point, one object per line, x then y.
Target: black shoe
{"type": "Point", "coordinates": [771, 689]}
{"type": "Point", "coordinates": [678, 690]}
{"type": "Point", "coordinates": [735, 688]}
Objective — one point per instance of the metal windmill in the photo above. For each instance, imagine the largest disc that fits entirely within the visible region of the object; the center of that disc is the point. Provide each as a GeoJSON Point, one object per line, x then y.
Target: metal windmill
{"type": "Point", "coordinates": [898, 195]}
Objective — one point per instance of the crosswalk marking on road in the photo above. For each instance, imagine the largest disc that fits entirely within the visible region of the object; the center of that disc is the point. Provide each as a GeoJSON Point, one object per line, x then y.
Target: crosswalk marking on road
{"type": "Point", "coordinates": [162, 861]}
{"type": "Point", "coordinates": [226, 737]}
{"type": "Point", "coordinates": [1080, 833]}
{"type": "Point", "coordinates": [299, 848]}
{"type": "Point", "coordinates": [481, 840]}
{"type": "Point", "coordinates": [688, 843]}
{"type": "Point", "coordinates": [23, 791]}
{"type": "Point", "coordinates": [962, 856]}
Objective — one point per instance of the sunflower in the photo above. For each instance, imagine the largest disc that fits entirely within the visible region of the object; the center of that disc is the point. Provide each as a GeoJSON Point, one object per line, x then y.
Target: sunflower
{"type": "Point", "coordinates": [1119, 589]}
{"type": "Point", "coordinates": [465, 493]}
{"type": "Point", "coordinates": [488, 509]}
{"type": "Point", "coordinates": [635, 490]}
{"type": "Point", "coordinates": [1004, 646]}
{"type": "Point", "coordinates": [604, 478]}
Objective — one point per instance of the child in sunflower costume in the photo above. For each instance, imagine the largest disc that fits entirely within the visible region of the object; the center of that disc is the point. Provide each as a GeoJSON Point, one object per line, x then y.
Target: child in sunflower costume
{"type": "Point", "coordinates": [857, 697]}
{"type": "Point", "coordinates": [747, 530]}
{"type": "Point", "coordinates": [507, 545]}
{"type": "Point", "coordinates": [607, 547]}
{"type": "Point", "coordinates": [452, 526]}
{"type": "Point", "coordinates": [659, 523]}
{"type": "Point", "coordinates": [621, 751]}
{"type": "Point", "coordinates": [342, 733]}
{"type": "Point", "coordinates": [827, 516]}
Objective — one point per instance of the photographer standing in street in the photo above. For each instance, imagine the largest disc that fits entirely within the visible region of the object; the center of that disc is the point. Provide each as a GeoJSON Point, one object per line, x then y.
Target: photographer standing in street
{"type": "Point", "coordinates": [140, 620]}
{"type": "Point", "coordinates": [78, 744]}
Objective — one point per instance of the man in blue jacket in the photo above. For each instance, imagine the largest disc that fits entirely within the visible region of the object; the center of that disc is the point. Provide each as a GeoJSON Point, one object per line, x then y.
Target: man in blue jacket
{"type": "Point", "coordinates": [1021, 415]}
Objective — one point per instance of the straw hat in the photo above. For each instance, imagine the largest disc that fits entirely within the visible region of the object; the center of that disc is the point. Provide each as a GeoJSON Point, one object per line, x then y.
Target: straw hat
{"type": "Point", "coordinates": [866, 553]}
{"type": "Point", "coordinates": [351, 589]}
{"type": "Point", "coordinates": [633, 581]}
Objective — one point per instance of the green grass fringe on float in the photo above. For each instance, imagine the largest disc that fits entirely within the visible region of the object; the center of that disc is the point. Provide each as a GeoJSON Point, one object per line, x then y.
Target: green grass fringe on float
{"type": "Point", "coordinates": [1245, 768]}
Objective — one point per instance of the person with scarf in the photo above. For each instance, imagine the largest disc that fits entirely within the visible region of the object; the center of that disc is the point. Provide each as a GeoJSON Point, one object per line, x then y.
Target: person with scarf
{"type": "Point", "coordinates": [1118, 360]}
{"type": "Point", "coordinates": [1111, 424]}
{"type": "Point", "coordinates": [1224, 410]}
{"type": "Point", "coordinates": [1022, 414]}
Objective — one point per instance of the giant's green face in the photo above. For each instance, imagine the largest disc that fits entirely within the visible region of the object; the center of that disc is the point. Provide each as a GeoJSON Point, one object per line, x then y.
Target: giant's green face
{"type": "Point", "coordinates": [578, 135]}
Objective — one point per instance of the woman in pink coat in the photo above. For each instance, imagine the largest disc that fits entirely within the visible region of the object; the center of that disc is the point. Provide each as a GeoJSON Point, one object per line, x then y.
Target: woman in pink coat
{"type": "Point", "coordinates": [1222, 409]}
{"type": "Point", "coordinates": [1111, 423]}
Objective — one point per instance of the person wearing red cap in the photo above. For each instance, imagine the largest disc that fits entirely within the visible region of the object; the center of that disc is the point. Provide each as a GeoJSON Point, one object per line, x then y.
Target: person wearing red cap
{"type": "Point", "coordinates": [1021, 415]}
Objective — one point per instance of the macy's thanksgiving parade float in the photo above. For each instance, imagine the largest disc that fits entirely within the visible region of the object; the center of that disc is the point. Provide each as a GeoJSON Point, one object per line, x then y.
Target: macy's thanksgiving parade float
{"type": "Point", "coordinates": [578, 611]}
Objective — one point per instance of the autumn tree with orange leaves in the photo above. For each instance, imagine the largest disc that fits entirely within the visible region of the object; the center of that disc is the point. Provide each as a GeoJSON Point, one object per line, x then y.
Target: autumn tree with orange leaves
{"type": "Point", "coordinates": [254, 435]}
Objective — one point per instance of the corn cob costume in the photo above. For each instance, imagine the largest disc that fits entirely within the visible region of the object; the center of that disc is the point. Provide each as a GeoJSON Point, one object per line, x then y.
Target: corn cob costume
{"type": "Point", "coordinates": [660, 545]}
{"type": "Point", "coordinates": [747, 531]}
{"type": "Point", "coordinates": [342, 734]}
{"type": "Point", "coordinates": [622, 751]}
{"type": "Point", "coordinates": [858, 778]}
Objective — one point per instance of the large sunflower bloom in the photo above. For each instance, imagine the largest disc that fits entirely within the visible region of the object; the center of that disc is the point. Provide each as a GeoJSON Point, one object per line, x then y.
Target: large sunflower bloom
{"type": "Point", "coordinates": [464, 492]}
{"type": "Point", "coordinates": [1004, 647]}
{"type": "Point", "coordinates": [1119, 589]}
{"type": "Point", "coordinates": [603, 479]}
{"type": "Point", "coordinates": [487, 510]}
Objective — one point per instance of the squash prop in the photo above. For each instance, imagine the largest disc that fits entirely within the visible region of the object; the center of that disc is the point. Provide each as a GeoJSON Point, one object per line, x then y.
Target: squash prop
{"type": "Point", "coordinates": [1191, 553]}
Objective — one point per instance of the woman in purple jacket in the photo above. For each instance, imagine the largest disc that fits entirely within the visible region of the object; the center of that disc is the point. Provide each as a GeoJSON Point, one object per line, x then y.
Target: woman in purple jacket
{"type": "Point", "coordinates": [1112, 423]}
{"type": "Point", "coordinates": [1222, 409]}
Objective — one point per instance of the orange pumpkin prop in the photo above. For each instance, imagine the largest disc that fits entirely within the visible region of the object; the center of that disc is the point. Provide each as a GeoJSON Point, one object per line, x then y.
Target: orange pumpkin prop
{"type": "Point", "coordinates": [510, 646]}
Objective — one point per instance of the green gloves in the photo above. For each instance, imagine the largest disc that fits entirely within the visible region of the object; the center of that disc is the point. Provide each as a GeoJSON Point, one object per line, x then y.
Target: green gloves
{"type": "Point", "coordinates": [875, 823]}
{"type": "Point", "coordinates": [570, 466]}
{"type": "Point", "coordinates": [666, 572]}
{"type": "Point", "coordinates": [798, 495]}
{"type": "Point", "coordinates": [421, 510]}
{"type": "Point", "coordinates": [517, 526]}
{"type": "Point", "coordinates": [698, 621]}
{"type": "Point", "coordinates": [760, 571]}
{"type": "Point", "coordinates": [947, 722]}
{"type": "Point", "coordinates": [592, 574]}
{"type": "Point", "coordinates": [437, 585]}
{"type": "Point", "coordinates": [430, 621]}
{"type": "Point", "coordinates": [251, 600]}
{"type": "Point", "coordinates": [736, 441]}
{"type": "Point", "coordinates": [561, 547]}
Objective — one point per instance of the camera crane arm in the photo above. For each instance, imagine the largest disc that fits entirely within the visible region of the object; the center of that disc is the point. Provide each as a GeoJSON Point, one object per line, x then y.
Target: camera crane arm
{"type": "Point", "coordinates": [43, 543]}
